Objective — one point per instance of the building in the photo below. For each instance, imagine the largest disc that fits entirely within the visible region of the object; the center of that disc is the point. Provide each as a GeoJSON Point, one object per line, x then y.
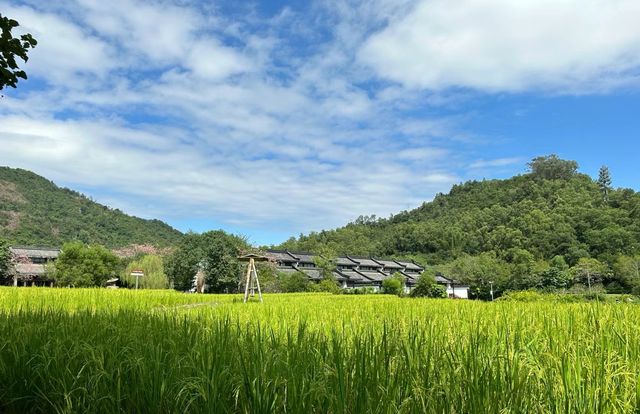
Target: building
{"type": "Point", "coordinates": [356, 271]}
{"type": "Point", "coordinates": [30, 265]}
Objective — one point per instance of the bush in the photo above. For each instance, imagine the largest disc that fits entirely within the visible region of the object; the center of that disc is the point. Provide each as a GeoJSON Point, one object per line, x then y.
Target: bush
{"type": "Point", "coordinates": [293, 282]}
{"type": "Point", "coordinates": [360, 291]}
{"type": "Point", "coordinates": [429, 291]}
{"type": "Point", "coordinates": [524, 296]}
{"type": "Point", "coordinates": [392, 286]}
{"type": "Point", "coordinates": [325, 285]}
{"type": "Point", "coordinates": [85, 266]}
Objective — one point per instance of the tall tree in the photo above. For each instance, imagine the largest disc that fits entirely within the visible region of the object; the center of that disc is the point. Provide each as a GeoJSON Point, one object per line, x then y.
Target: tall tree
{"type": "Point", "coordinates": [551, 167]}
{"type": "Point", "coordinates": [590, 271]}
{"type": "Point", "coordinates": [325, 261]}
{"type": "Point", "coordinates": [5, 259]}
{"type": "Point", "coordinates": [213, 252]}
{"type": "Point", "coordinates": [10, 49]}
{"type": "Point", "coordinates": [604, 182]}
{"type": "Point", "coordinates": [152, 266]}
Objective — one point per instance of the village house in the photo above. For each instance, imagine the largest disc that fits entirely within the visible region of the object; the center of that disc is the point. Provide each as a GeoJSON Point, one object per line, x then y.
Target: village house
{"type": "Point", "coordinates": [356, 271]}
{"type": "Point", "coordinates": [30, 262]}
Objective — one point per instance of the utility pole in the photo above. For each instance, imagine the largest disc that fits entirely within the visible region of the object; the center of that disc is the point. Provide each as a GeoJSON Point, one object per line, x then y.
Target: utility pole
{"type": "Point", "coordinates": [491, 289]}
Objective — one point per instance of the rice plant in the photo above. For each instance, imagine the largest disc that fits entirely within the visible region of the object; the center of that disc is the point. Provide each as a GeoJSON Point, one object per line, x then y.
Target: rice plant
{"type": "Point", "coordinates": [102, 351]}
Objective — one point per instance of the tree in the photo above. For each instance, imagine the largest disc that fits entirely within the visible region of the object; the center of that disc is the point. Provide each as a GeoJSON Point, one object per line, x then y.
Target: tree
{"type": "Point", "coordinates": [5, 259]}
{"type": "Point", "coordinates": [589, 270]}
{"type": "Point", "coordinates": [10, 49]}
{"type": "Point", "coordinates": [293, 282]}
{"type": "Point", "coordinates": [325, 261]}
{"type": "Point", "coordinates": [80, 265]}
{"type": "Point", "coordinates": [427, 286]}
{"type": "Point", "coordinates": [215, 252]}
{"type": "Point", "coordinates": [393, 285]}
{"type": "Point", "coordinates": [325, 285]}
{"type": "Point", "coordinates": [480, 273]}
{"type": "Point", "coordinates": [628, 270]}
{"type": "Point", "coordinates": [153, 268]}
{"type": "Point", "coordinates": [604, 182]}
{"type": "Point", "coordinates": [551, 167]}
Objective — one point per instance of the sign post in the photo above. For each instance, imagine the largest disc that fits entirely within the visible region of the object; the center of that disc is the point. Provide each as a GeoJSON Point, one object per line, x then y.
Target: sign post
{"type": "Point", "coordinates": [137, 273]}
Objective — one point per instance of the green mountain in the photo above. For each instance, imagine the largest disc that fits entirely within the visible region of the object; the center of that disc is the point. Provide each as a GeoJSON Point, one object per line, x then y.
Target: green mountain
{"type": "Point", "coordinates": [551, 215]}
{"type": "Point", "coordinates": [33, 210]}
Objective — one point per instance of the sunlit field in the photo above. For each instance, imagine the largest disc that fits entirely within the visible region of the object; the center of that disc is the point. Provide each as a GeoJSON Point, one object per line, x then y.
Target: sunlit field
{"type": "Point", "coordinates": [102, 351]}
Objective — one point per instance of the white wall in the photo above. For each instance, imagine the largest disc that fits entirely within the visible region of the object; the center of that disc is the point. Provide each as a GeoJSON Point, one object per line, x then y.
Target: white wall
{"type": "Point", "coordinates": [461, 292]}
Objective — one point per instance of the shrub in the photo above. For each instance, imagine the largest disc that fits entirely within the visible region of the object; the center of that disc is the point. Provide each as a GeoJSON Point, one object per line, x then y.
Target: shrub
{"type": "Point", "coordinates": [325, 285]}
{"type": "Point", "coordinates": [524, 296]}
{"type": "Point", "coordinates": [293, 282]}
{"type": "Point", "coordinates": [392, 286]}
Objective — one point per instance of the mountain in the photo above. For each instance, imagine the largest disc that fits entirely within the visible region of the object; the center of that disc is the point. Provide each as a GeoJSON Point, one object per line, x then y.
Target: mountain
{"type": "Point", "coordinates": [551, 213]}
{"type": "Point", "coordinates": [33, 210]}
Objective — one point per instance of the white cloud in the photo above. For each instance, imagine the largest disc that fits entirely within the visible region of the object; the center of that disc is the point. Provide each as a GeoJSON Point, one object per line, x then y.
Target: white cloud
{"type": "Point", "coordinates": [498, 162]}
{"type": "Point", "coordinates": [180, 122]}
{"type": "Point", "coordinates": [65, 51]}
{"type": "Point", "coordinates": [506, 45]}
{"type": "Point", "coordinates": [172, 180]}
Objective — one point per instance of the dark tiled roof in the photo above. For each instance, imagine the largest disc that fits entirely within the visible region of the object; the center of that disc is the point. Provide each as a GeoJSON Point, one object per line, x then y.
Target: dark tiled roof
{"type": "Point", "coordinates": [304, 257]}
{"type": "Point", "coordinates": [389, 264]}
{"type": "Point", "coordinates": [35, 252]}
{"type": "Point", "coordinates": [373, 275]}
{"type": "Point", "coordinates": [364, 261]}
{"type": "Point", "coordinates": [29, 269]}
{"type": "Point", "coordinates": [352, 275]}
{"type": "Point", "coordinates": [442, 279]}
{"type": "Point", "coordinates": [409, 265]}
{"type": "Point", "coordinates": [281, 255]}
{"type": "Point", "coordinates": [345, 261]}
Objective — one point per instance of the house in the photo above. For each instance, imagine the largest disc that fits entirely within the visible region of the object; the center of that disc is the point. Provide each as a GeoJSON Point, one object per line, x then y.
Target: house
{"type": "Point", "coordinates": [360, 271]}
{"type": "Point", "coordinates": [30, 262]}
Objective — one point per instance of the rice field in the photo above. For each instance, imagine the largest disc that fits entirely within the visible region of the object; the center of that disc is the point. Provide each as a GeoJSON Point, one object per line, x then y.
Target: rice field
{"type": "Point", "coordinates": [104, 351]}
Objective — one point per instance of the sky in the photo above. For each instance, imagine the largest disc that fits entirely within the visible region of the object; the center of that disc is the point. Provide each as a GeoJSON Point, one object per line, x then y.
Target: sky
{"type": "Point", "coordinates": [275, 118]}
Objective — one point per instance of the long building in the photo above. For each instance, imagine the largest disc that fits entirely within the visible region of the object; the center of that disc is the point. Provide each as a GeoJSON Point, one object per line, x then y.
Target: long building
{"type": "Point", "coordinates": [356, 271]}
{"type": "Point", "coordinates": [30, 266]}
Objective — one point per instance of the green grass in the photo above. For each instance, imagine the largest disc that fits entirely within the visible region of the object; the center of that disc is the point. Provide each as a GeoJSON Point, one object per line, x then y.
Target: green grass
{"type": "Point", "coordinates": [64, 350]}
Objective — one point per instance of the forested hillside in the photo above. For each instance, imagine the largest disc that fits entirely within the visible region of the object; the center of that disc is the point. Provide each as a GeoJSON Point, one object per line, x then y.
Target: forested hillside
{"type": "Point", "coordinates": [515, 231]}
{"type": "Point", "coordinates": [33, 210]}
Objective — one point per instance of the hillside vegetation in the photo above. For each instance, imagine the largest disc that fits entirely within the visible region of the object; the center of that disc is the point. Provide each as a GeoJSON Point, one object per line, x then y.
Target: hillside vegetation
{"type": "Point", "coordinates": [515, 232]}
{"type": "Point", "coordinates": [33, 210]}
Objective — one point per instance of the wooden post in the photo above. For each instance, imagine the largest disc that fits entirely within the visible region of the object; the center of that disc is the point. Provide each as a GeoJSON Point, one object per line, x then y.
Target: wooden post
{"type": "Point", "coordinates": [248, 279]}
{"type": "Point", "coordinates": [255, 274]}
{"type": "Point", "coordinates": [251, 281]}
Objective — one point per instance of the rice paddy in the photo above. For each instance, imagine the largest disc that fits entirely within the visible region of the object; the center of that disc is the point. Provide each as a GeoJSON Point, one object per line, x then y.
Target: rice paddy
{"type": "Point", "coordinates": [103, 351]}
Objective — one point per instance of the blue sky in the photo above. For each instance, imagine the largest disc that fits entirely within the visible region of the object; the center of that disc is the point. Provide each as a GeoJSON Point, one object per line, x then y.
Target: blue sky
{"type": "Point", "coordinates": [274, 118]}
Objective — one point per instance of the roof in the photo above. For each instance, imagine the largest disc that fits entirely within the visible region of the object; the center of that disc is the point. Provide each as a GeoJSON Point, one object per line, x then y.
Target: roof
{"type": "Point", "coordinates": [389, 264]}
{"type": "Point", "coordinates": [35, 251]}
{"type": "Point", "coordinates": [373, 275]}
{"type": "Point", "coordinates": [304, 257]}
{"type": "Point", "coordinates": [314, 274]}
{"type": "Point", "coordinates": [281, 255]}
{"type": "Point", "coordinates": [442, 279]}
{"type": "Point", "coordinates": [365, 261]}
{"type": "Point", "coordinates": [409, 265]}
{"type": "Point", "coordinates": [29, 269]}
{"type": "Point", "coordinates": [352, 275]}
{"type": "Point", "coordinates": [254, 256]}
{"type": "Point", "coordinates": [345, 261]}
